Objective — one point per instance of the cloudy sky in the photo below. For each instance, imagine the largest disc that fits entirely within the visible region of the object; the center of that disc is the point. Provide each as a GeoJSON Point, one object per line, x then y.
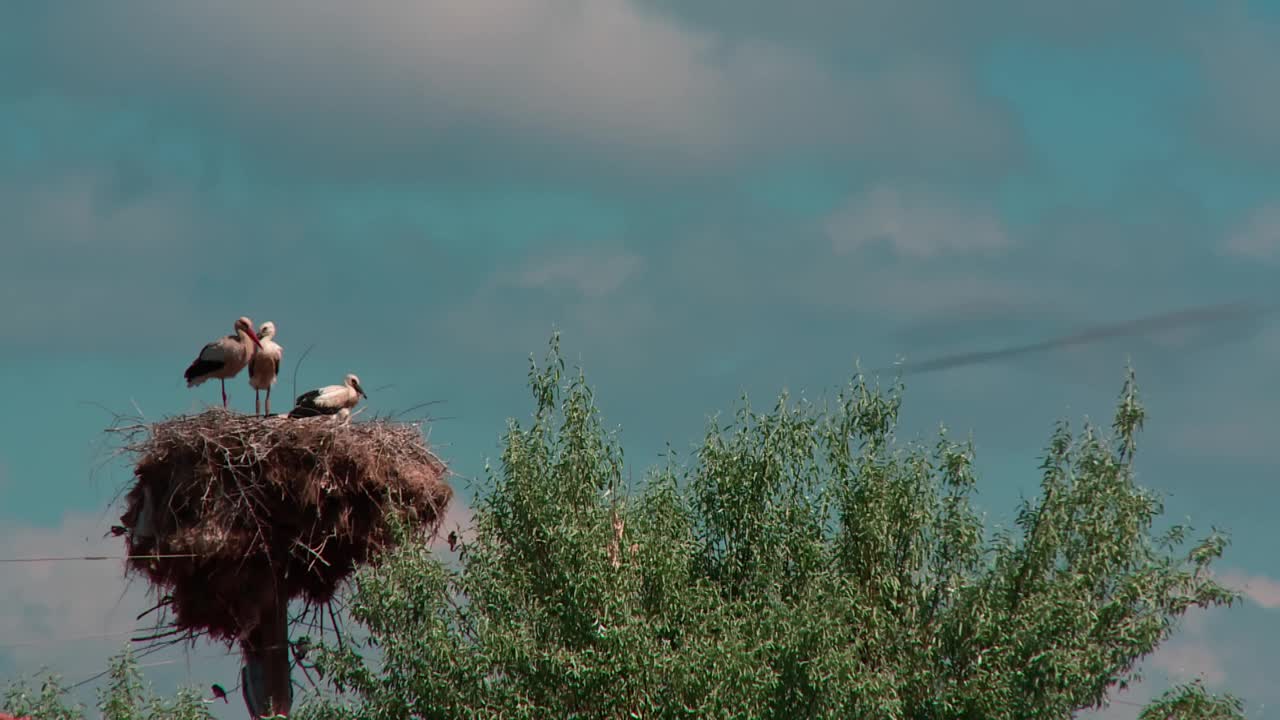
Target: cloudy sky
{"type": "Point", "coordinates": [705, 198]}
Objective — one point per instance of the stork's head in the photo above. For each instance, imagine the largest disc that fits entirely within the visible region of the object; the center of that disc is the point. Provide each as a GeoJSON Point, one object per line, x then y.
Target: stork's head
{"type": "Point", "coordinates": [353, 382]}
{"type": "Point", "coordinates": [245, 325]}
{"type": "Point", "coordinates": [267, 331]}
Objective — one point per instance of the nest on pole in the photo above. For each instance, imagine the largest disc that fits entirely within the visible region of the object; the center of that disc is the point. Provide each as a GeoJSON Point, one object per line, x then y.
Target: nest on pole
{"type": "Point", "coordinates": [231, 514]}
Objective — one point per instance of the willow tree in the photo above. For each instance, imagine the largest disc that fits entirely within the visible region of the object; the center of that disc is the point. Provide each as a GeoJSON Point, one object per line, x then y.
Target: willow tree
{"type": "Point", "coordinates": [804, 564]}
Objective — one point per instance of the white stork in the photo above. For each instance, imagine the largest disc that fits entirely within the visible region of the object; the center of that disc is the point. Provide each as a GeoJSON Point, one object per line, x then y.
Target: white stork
{"type": "Point", "coordinates": [224, 358]}
{"type": "Point", "coordinates": [329, 400]}
{"type": "Point", "coordinates": [264, 367]}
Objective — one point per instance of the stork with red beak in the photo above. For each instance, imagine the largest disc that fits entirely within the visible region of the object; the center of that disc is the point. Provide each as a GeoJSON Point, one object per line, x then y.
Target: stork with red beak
{"type": "Point", "coordinates": [265, 366]}
{"type": "Point", "coordinates": [225, 357]}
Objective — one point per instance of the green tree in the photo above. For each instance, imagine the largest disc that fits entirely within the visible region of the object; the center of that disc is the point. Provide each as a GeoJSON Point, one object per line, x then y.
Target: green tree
{"type": "Point", "coordinates": [1192, 702]}
{"type": "Point", "coordinates": [124, 696]}
{"type": "Point", "coordinates": [805, 564]}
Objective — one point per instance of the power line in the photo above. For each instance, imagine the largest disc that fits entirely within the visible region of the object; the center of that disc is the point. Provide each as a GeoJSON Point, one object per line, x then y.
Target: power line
{"type": "Point", "coordinates": [1189, 317]}
{"type": "Point", "coordinates": [73, 638]}
{"type": "Point", "coordinates": [104, 673]}
{"type": "Point", "coordinates": [97, 557]}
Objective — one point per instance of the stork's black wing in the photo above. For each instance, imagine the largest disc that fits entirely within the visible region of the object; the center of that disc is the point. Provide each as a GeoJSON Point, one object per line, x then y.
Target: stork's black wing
{"type": "Point", "coordinates": [306, 406]}
{"type": "Point", "coordinates": [307, 399]}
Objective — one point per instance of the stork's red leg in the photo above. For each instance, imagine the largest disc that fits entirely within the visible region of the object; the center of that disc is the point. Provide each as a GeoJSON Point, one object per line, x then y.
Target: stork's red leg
{"type": "Point", "coordinates": [267, 410]}
{"type": "Point", "coordinates": [257, 401]}
{"type": "Point", "coordinates": [224, 394]}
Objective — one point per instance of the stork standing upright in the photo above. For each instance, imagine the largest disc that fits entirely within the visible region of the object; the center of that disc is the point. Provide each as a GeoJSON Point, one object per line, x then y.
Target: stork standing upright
{"type": "Point", "coordinates": [329, 400]}
{"type": "Point", "coordinates": [224, 358]}
{"type": "Point", "coordinates": [264, 367]}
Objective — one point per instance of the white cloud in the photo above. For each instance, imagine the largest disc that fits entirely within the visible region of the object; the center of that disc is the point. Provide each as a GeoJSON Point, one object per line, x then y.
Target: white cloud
{"type": "Point", "coordinates": [74, 211]}
{"type": "Point", "coordinates": [915, 224]}
{"type": "Point", "coordinates": [1237, 52]}
{"type": "Point", "coordinates": [405, 67]}
{"type": "Point", "coordinates": [592, 275]}
{"type": "Point", "coordinates": [388, 78]}
{"type": "Point", "coordinates": [491, 321]}
{"type": "Point", "coordinates": [588, 294]}
{"type": "Point", "coordinates": [1262, 590]}
{"type": "Point", "coordinates": [746, 270]}
{"type": "Point", "coordinates": [88, 268]}
{"type": "Point", "coordinates": [1259, 236]}
{"type": "Point", "coordinates": [1226, 438]}
{"type": "Point", "coordinates": [68, 615]}
{"type": "Point", "coordinates": [1184, 661]}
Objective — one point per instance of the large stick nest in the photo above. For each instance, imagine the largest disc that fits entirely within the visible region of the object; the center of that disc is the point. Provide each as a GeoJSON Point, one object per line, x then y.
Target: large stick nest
{"type": "Point", "coordinates": [230, 511]}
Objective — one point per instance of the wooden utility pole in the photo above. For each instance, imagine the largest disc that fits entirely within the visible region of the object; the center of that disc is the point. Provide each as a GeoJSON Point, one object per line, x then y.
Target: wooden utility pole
{"type": "Point", "coordinates": [265, 681]}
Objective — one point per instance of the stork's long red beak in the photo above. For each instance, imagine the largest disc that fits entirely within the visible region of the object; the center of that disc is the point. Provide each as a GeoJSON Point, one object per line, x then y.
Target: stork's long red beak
{"type": "Point", "coordinates": [254, 337]}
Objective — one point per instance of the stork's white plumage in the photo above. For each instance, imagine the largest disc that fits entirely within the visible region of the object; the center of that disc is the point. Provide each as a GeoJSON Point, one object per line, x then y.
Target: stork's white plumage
{"type": "Point", "coordinates": [264, 367]}
{"type": "Point", "coordinates": [224, 358]}
{"type": "Point", "coordinates": [329, 400]}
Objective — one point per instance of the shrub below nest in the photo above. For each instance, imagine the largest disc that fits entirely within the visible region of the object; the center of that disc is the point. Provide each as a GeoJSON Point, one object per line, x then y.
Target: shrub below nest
{"type": "Point", "coordinates": [229, 511]}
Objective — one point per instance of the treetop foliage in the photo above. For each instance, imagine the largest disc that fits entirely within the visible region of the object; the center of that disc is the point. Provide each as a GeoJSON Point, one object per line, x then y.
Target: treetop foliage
{"type": "Point", "coordinates": [806, 563]}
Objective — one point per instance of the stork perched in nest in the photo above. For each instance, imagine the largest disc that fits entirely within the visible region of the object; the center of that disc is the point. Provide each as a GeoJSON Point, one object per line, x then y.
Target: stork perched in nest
{"type": "Point", "coordinates": [265, 366]}
{"type": "Point", "coordinates": [225, 357]}
{"type": "Point", "coordinates": [329, 400]}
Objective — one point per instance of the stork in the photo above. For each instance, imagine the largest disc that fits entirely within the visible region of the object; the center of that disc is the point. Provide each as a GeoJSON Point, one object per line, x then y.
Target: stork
{"type": "Point", "coordinates": [224, 358]}
{"type": "Point", "coordinates": [329, 400]}
{"type": "Point", "coordinates": [264, 367]}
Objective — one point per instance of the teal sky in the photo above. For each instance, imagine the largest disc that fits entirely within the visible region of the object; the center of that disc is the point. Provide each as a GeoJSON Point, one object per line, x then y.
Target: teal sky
{"type": "Point", "coordinates": [705, 198]}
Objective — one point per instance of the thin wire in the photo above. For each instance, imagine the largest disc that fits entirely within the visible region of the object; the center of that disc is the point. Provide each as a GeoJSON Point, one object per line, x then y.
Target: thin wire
{"type": "Point", "coordinates": [104, 673]}
{"type": "Point", "coordinates": [1188, 317]}
{"type": "Point", "coordinates": [297, 365]}
{"type": "Point", "coordinates": [157, 648]}
{"type": "Point", "coordinates": [96, 557]}
{"type": "Point", "coordinates": [73, 638]}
